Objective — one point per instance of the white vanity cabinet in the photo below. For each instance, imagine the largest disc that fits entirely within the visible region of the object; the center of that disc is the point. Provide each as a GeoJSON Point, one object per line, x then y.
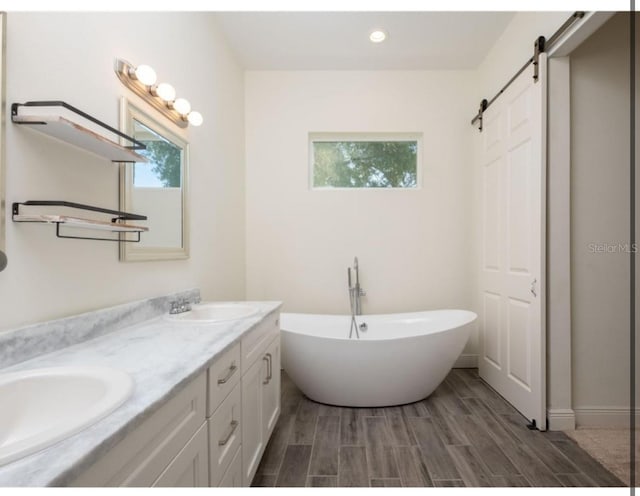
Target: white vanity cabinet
{"type": "Point", "coordinates": [166, 449]}
{"type": "Point", "coordinates": [260, 392]}
{"type": "Point", "coordinates": [212, 432]}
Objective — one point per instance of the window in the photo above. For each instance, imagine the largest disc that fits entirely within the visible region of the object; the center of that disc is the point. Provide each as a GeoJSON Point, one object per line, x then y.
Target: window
{"type": "Point", "coordinates": [364, 161]}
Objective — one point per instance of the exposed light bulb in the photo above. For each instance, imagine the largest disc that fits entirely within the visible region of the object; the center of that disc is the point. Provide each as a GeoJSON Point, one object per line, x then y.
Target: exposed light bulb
{"type": "Point", "coordinates": [195, 118]}
{"type": "Point", "coordinates": [377, 36]}
{"type": "Point", "coordinates": [165, 91]}
{"type": "Point", "coordinates": [145, 74]}
{"type": "Point", "coordinates": [182, 106]}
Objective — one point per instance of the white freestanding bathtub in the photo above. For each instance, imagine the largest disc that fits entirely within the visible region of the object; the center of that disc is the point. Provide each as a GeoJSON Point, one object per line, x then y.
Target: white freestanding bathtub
{"type": "Point", "coordinates": [400, 359]}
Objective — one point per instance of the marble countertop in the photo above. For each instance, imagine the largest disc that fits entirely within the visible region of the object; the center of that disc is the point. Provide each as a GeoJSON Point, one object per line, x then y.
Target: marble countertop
{"type": "Point", "coordinates": [161, 355]}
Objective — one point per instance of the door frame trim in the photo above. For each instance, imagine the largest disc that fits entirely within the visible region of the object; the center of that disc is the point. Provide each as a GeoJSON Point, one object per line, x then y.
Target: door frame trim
{"type": "Point", "coordinates": [560, 413]}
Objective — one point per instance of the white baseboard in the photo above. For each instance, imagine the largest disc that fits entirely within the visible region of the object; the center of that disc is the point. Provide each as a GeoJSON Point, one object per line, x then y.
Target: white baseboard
{"type": "Point", "coordinates": [604, 417]}
{"type": "Point", "coordinates": [466, 361]}
{"type": "Point", "coordinates": [561, 419]}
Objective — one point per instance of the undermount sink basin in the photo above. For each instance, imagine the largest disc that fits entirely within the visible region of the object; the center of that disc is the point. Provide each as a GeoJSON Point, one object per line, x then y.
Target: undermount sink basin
{"type": "Point", "coordinates": [216, 312]}
{"type": "Point", "coordinates": [42, 406]}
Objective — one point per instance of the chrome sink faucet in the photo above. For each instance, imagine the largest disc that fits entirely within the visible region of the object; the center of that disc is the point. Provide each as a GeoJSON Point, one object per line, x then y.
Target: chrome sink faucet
{"type": "Point", "coordinates": [179, 306]}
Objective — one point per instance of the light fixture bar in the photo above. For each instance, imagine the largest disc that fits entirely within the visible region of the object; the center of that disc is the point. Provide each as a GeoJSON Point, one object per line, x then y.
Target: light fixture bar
{"type": "Point", "coordinates": [124, 69]}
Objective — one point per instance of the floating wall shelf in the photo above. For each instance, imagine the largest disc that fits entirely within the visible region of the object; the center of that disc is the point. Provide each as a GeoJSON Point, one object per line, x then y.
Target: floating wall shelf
{"type": "Point", "coordinates": [67, 123]}
{"type": "Point", "coordinates": [115, 225]}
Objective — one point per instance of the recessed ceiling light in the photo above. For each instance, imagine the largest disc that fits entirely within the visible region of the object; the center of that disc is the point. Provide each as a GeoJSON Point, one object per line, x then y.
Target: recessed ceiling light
{"type": "Point", "coordinates": [377, 36]}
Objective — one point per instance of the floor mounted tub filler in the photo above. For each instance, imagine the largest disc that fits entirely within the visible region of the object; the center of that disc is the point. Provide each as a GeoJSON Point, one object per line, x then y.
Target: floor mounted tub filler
{"type": "Point", "coordinates": [398, 359]}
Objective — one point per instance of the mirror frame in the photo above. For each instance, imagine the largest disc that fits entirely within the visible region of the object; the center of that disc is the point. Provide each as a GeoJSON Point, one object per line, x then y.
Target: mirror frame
{"type": "Point", "coordinates": [133, 252]}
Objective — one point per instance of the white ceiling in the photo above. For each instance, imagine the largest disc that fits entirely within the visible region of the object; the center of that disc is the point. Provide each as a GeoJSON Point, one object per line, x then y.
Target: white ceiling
{"type": "Point", "coordinates": [339, 40]}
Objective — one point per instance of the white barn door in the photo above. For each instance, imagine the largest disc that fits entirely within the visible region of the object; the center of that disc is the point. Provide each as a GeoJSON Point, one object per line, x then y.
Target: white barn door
{"type": "Point", "coordinates": [512, 324]}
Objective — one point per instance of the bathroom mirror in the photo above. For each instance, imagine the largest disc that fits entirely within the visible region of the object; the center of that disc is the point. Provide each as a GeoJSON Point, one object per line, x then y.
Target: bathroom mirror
{"type": "Point", "coordinates": [157, 188]}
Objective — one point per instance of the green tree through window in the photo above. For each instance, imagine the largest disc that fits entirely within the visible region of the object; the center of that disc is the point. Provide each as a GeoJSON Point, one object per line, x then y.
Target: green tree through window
{"type": "Point", "coordinates": [165, 157]}
{"type": "Point", "coordinates": [164, 166]}
{"type": "Point", "coordinates": [365, 164]}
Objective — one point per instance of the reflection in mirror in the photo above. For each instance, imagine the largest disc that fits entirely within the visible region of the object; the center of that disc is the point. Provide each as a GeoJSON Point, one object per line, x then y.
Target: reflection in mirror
{"type": "Point", "coordinates": [156, 189]}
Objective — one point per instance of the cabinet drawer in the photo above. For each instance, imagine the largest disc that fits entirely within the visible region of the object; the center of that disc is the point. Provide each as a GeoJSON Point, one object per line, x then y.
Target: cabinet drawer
{"type": "Point", "coordinates": [224, 374]}
{"type": "Point", "coordinates": [224, 435]}
{"type": "Point", "coordinates": [189, 468]}
{"type": "Point", "coordinates": [233, 475]}
{"type": "Point", "coordinates": [140, 458]}
{"type": "Point", "coordinates": [257, 340]}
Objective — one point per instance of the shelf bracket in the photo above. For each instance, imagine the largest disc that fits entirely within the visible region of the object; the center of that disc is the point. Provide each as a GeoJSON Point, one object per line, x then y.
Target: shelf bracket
{"type": "Point", "coordinates": [120, 239]}
{"type": "Point", "coordinates": [80, 206]}
{"type": "Point", "coordinates": [81, 223]}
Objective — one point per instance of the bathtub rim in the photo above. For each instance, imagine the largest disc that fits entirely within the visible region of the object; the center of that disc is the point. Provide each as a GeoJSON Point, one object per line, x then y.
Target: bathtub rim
{"type": "Point", "coordinates": [385, 338]}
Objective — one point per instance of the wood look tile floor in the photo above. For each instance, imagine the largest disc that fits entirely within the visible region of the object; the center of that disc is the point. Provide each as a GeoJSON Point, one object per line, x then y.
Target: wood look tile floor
{"type": "Point", "coordinates": [464, 434]}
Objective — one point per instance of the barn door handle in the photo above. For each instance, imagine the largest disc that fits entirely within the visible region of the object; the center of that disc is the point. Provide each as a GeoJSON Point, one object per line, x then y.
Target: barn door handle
{"type": "Point", "coordinates": [533, 288]}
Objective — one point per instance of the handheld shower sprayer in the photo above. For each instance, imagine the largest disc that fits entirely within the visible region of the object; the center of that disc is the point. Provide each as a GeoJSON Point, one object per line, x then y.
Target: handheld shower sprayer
{"type": "Point", "coordinates": [355, 292]}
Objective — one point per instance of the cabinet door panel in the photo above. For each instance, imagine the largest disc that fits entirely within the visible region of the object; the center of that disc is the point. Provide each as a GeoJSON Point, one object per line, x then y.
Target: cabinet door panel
{"type": "Point", "coordinates": [190, 468]}
{"type": "Point", "coordinates": [252, 415]}
{"type": "Point", "coordinates": [233, 476]}
{"type": "Point", "coordinates": [271, 391]}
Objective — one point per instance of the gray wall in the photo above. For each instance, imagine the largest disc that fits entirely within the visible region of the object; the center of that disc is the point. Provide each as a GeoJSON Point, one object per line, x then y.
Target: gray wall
{"type": "Point", "coordinates": [600, 221]}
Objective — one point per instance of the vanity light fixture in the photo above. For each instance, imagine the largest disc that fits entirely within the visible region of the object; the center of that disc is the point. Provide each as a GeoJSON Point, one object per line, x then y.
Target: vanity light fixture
{"type": "Point", "coordinates": [377, 36]}
{"type": "Point", "coordinates": [145, 74]}
{"type": "Point", "coordinates": [142, 81]}
{"type": "Point", "coordinates": [195, 118]}
{"type": "Point", "coordinates": [164, 91]}
{"type": "Point", "coordinates": [182, 106]}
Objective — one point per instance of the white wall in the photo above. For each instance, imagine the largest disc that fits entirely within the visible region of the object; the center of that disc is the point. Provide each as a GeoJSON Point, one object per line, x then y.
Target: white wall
{"type": "Point", "coordinates": [600, 216]}
{"type": "Point", "coordinates": [413, 245]}
{"type": "Point", "coordinates": [70, 57]}
{"type": "Point", "coordinates": [513, 48]}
